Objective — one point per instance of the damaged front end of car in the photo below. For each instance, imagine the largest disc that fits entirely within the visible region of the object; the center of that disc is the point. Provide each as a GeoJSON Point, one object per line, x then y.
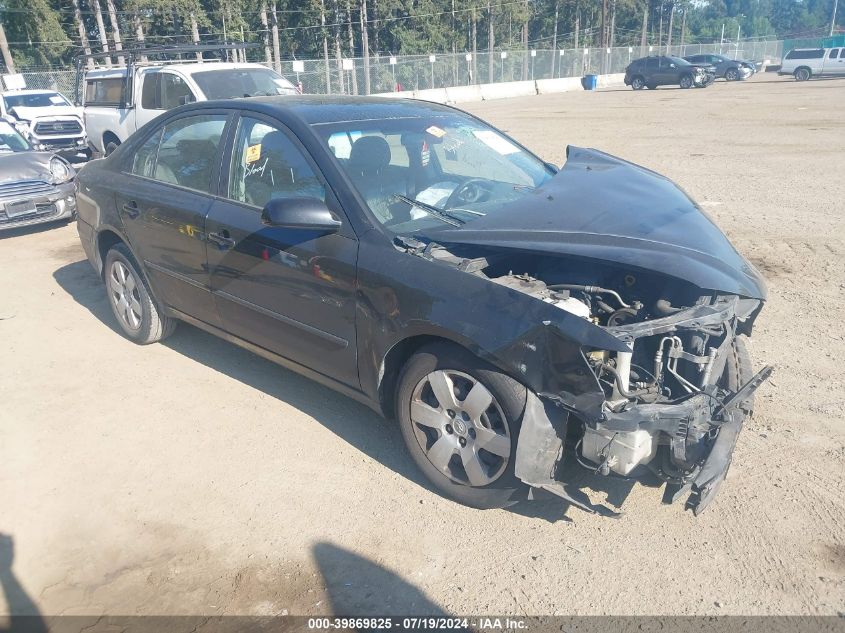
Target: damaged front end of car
{"type": "Point", "coordinates": [625, 313]}
{"type": "Point", "coordinates": [672, 404]}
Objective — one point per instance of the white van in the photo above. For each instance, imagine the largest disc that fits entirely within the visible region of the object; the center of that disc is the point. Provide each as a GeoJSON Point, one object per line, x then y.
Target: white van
{"type": "Point", "coordinates": [803, 63]}
{"type": "Point", "coordinates": [118, 101]}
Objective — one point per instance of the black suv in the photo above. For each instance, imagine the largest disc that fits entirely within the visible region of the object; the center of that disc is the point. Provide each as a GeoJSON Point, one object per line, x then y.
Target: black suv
{"type": "Point", "coordinates": [650, 72]}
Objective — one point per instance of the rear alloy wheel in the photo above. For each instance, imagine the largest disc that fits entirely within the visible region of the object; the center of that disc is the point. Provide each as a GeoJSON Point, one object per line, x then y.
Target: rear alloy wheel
{"type": "Point", "coordinates": [460, 421]}
{"type": "Point", "coordinates": [686, 82]}
{"type": "Point", "coordinates": [139, 318]}
{"type": "Point", "coordinates": [637, 83]}
{"type": "Point", "coordinates": [732, 74]}
{"type": "Point", "coordinates": [802, 74]}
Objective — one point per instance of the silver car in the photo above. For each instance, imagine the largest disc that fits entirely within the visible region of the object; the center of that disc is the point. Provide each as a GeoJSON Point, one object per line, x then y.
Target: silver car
{"type": "Point", "coordinates": [35, 187]}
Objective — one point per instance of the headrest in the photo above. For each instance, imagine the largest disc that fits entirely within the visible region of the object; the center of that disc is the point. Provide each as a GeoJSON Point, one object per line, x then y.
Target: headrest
{"type": "Point", "coordinates": [275, 143]}
{"type": "Point", "coordinates": [369, 154]}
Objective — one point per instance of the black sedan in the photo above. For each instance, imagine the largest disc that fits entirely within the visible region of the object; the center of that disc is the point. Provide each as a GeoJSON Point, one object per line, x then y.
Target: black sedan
{"type": "Point", "coordinates": [510, 315]}
{"type": "Point", "coordinates": [726, 68]}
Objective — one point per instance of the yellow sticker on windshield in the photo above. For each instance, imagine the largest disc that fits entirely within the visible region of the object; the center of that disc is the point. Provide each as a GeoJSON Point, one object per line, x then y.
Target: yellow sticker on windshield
{"type": "Point", "coordinates": [253, 153]}
{"type": "Point", "coordinates": [436, 131]}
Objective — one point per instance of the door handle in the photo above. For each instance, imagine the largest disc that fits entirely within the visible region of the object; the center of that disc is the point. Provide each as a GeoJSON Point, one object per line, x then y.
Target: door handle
{"type": "Point", "coordinates": [131, 209]}
{"type": "Point", "coordinates": [222, 239]}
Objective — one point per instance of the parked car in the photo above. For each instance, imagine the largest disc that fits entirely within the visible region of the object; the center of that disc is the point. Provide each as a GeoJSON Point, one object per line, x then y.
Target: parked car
{"type": "Point", "coordinates": [664, 70]}
{"type": "Point", "coordinates": [35, 186]}
{"type": "Point", "coordinates": [118, 100]}
{"type": "Point", "coordinates": [725, 67]}
{"type": "Point", "coordinates": [46, 118]}
{"type": "Point", "coordinates": [804, 63]}
{"type": "Point", "coordinates": [421, 261]}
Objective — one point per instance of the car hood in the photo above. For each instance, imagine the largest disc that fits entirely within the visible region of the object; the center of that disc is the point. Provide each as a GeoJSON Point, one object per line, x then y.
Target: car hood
{"type": "Point", "coordinates": [30, 114]}
{"type": "Point", "coordinates": [602, 207]}
{"type": "Point", "coordinates": [25, 166]}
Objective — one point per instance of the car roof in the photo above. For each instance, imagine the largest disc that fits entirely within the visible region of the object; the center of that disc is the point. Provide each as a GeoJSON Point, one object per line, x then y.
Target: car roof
{"type": "Point", "coordinates": [321, 109]}
{"type": "Point", "coordinates": [187, 68]}
{"type": "Point", "coordinates": [29, 92]}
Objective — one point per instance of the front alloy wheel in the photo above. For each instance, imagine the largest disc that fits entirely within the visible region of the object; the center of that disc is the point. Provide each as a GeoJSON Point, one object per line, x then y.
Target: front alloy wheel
{"type": "Point", "coordinates": [732, 74]}
{"type": "Point", "coordinates": [460, 419]}
{"type": "Point", "coordinates": [686, 82]}
{"type": "Point", "coordinates": [637, 83]}
{"type": "Point", "coordinates": [460, 427]}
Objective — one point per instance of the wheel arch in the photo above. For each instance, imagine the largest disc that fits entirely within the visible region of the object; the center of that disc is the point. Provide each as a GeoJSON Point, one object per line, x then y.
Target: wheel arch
{"type": "Point", "coordinates": [108, 135]}
{"type": "Point", "coordinates": [106, 239]}
{"type": "Point", "coordinates": [394, 360]}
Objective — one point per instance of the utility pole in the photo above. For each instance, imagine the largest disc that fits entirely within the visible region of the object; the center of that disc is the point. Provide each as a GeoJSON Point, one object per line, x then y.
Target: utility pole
{"type": "Point", "coordinates": [833, 17]}
{"type": "Point", "coordinates": [195, 33]}
{"type": "Point", "coordinates": [115, 28]}
{"type": "Point", "coordinates": [83, 36]}
{"type": "Point", "coordinates": [101, 29]}
{"type": "Point", "coordinates": [7, 54]}
{"type": "Point", "coordinates": [365, 46]}
{"type": "Point", "coordinates": [325, 47]}
{"type": "Point", "coordinates": [265, 35]}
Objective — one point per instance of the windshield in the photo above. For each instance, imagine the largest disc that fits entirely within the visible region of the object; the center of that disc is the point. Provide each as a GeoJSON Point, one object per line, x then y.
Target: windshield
{"type": "Point", "coordinates": [10, 140]}
{"type": "Point", "coordinates": [231, 83]}
{"type": "Point", "coordinates": [40, 100]}
{"type": "Point", "coordinates": [422, 172]}
{"type": "Point", "coordinates": [679, 61]}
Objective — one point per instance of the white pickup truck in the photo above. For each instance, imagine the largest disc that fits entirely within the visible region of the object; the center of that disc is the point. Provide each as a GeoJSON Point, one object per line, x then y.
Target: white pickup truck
{"type": "Point", "coordinates": [45, 118]}
{"type": "Point", "coordinates": [118, 101]}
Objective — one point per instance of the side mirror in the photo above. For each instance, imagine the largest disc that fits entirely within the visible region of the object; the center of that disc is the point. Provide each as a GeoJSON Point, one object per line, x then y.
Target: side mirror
{"type": "Point", "coordinates": [671, 65]}
{"type": "Point", "coordinates": [300, 213]}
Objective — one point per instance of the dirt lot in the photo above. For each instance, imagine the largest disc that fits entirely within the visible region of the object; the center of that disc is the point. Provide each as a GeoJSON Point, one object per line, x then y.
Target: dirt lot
{"type": "Point", "coordinates": [193, 477]}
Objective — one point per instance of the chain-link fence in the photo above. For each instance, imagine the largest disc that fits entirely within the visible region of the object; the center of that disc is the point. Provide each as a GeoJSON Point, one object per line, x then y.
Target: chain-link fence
{"type": "Point", "coordinates": [385, 73]}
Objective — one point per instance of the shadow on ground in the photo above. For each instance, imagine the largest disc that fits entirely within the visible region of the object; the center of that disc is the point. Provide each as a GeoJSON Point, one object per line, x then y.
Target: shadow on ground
{"type": "Point", "coordinates": [353, 422]}
{"type": "Point", "coordinates": [23, 616]}
{"type": "Point", "coordinates": [358, 586]}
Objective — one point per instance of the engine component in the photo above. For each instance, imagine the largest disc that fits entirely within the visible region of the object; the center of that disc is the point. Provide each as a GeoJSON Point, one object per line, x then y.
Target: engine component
{"type": "Point", "coordinates": [618, 451]}
{"type": "Point", "coordinates": [539, 290]}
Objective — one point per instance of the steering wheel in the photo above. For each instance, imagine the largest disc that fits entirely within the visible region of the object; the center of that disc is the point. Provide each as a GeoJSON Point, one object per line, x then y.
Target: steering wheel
{"type": "Point", "coordinates": [469, 191]}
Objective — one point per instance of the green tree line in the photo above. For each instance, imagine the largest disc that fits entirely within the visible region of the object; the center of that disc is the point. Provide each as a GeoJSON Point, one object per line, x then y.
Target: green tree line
{"type": "Point", "coordinates": [49, 33]}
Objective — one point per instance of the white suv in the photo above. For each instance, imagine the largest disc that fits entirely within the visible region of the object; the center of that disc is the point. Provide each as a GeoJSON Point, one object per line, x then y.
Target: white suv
{"type": "Point", "coordinates": [803, 63]}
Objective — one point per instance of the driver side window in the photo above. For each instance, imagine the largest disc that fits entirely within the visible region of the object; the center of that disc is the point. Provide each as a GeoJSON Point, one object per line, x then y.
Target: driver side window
{"type": "Point", "coordinates": [267, 165]}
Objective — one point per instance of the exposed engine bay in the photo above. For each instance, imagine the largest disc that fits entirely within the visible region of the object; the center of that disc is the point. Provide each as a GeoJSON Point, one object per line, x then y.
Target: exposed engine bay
{"type": "Point", "coordinates": [669, 398]}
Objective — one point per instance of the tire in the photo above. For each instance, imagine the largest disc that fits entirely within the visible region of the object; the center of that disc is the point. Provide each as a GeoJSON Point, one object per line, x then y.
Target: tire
{"type": "Point", "coordinates": [651, 86]}
{"type": "Point", "coordinates": [731, 74]}
{"type": "Point", "coordinates": [110, 146]}
{"type": "Point", "coordinates": [686, 82]}
{"type": "Point", "coordinates": [802, 74]}
{"type": "Point", "coordinates": [637, 83]}
{"type": "Point", "coordinates": [495, 484]}
{"type": "Point", "coordinates": [139, 318]}
{"type": "Point", "coordinates": [738, 369]}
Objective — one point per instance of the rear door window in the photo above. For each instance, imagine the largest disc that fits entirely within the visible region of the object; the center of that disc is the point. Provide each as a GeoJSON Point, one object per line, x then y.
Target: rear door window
{"type": "Point", "coordinates": [834, 53]}
{"type": "Point", "coordinates": [106, 91]}
{"type": "Point", "coordinates": [187, 153]}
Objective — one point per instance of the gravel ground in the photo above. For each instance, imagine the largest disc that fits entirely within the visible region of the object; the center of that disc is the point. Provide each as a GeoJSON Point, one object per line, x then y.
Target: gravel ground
{"type": "Point", "coordinates": [192, 477]}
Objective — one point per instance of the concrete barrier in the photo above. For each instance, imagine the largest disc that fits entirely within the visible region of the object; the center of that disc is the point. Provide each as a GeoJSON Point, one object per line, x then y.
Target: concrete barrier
{"type": "Point", "coordinates": [508, 89]}
{"type": "Point", "coordinates": [486, 92]}
{"type": "Point", "coordinates": [564, 84]}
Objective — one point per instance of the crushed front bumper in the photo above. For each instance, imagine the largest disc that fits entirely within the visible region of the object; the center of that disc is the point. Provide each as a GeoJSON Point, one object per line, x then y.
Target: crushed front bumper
{"type": "Point", "coordinates": [37, 203]}
{"type": "Point", "coordinates": [687, 442]}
